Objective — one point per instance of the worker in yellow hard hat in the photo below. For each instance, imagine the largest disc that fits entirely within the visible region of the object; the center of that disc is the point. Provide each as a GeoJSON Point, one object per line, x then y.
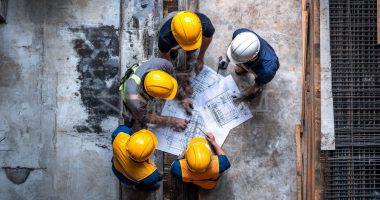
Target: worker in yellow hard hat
{"type": "Point", "coordinates": [131, 153]}
{"type": "Point", "coordinates": [189, 31]}
{"type": "Point", "coordinates": [154, 79]}
{"type": "Point", "coordinates": [198, 165]}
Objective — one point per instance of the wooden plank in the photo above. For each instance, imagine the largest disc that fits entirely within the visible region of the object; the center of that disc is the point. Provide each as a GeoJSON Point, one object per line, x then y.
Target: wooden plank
{"type": "Point", "coordinates": [299, 161]}
{"type": "Point", "coordinates": [303, 5]}
{"type": "Point", "coordinates": [305, 27]}
{"type": "Point", "coordinates": [310, 105]}
{"type": "Point", "coordinates": [378, 21]}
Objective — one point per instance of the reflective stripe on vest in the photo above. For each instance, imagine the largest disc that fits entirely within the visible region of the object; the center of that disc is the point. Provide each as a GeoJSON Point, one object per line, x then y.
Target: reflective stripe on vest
{"type": "Point", "coordinates": [130, 169]}
{"type": "Point", "coordinates": [134, 77]}
{"type": "Point", "coordinates": [207, 179]}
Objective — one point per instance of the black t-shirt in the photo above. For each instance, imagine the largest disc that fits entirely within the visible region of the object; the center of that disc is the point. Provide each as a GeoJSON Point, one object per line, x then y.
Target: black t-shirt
{"type": "Point", "coordinates": [166, 40]}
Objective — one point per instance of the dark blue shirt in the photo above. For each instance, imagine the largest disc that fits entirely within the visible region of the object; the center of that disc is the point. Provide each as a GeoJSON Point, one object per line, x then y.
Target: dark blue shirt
{"type": "Point", "coordinates": [267, 63]}
{"type": "Point", "coordinates": [224, 164]}
{"type": "Point", "coordinates": [166, 40]}
{"type": "Point", "coordinates": [149, 181]}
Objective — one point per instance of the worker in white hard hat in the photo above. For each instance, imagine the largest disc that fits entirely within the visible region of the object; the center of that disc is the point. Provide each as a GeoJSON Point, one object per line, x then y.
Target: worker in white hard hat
{"type": "Point", "coordinates": [251, 53]}
{"type": "Point", "coordinates": [199, 165]}
{"type": "Point", "coordinates": [131, 162]}
{"type": "Point", "coordinates": [187, 30]}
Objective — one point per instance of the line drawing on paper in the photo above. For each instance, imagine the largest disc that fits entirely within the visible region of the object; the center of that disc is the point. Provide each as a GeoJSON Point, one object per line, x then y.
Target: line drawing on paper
{"type": "Point", "coordinates": [205, 79]}
{"type": "Point", "coordinates": [224, 110]}
{"type": "Point", "coordinates": [179, 140]}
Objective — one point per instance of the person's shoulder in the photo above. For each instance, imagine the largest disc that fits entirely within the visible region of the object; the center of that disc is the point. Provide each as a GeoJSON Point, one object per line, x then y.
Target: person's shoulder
{"type": "Point", "coordinates": [242, 30]}
{"type": "Point", "coordinates": [123, 129]}
{"type": "Point", "coordinates": [165, 30]}
{"type": "Point", "coordinates": [161, 62]}
{"type": "Point", "coordinates": [176, 169]}
{"type": "Point", "coordinates": [224, 163]}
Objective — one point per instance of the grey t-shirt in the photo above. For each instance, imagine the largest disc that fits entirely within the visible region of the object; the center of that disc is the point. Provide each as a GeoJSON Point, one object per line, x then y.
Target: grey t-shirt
{"type": "Point", "coordinates": [137, 100]}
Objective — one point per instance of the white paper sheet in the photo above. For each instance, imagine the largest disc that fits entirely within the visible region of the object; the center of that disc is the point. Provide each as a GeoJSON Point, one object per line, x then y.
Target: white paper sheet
{"type": "Point", "coordinates": [204, 80]}
{"type": "Point", "coordinates": [222, 113]}
{"type": "Point", "coordinates": [214, 111]}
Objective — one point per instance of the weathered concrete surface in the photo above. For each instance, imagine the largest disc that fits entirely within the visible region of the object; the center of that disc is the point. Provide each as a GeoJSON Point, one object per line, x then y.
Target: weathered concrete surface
{"type": "Point", "coordinates": [261, 150]}
{"type": "Point", "coordinates": [327, 104]}
{"type": "Point", "coordinates": [52, 145]}
{"type": "Point", "coordinates": [138, 42]}
{"type": "Point", "coordinates": [58, 57]}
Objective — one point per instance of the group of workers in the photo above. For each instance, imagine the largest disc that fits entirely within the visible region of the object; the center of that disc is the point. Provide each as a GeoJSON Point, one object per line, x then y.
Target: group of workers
{"type": "Point", "coordinates": [203, 161]}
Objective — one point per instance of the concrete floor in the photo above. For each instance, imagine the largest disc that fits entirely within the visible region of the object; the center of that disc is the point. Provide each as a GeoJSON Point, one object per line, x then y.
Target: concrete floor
{"type": "Point", "coordinates": [262, 150]}
{"type": "Point", "coordinates": [56, 134]}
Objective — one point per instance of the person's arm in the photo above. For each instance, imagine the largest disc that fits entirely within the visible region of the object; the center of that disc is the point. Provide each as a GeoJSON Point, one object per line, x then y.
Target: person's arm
{"type": "Point", "coordinates": [224, 163]}
{"type": "Point", "coordinates": [165, 55]}
{"type": "Point", "coordinates": [152, 179]}
{"type": "Point", "coordinates": [205, 43]}
{"type": "Point", "coordinates": [211, 139]}
{"type": "Point", "coordinates": [202, 51]}
{"type": "Point", "coordinates": [177, 123]}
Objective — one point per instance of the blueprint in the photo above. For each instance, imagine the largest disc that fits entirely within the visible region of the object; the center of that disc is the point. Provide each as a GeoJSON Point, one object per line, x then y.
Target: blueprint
{"type": "Point", "coordinates": [222, 112]}
{"type": "Point", "coordinates": [204, 80]}
{"type": "Point", "coordinates": [214, 111]}
{"type": "Point", "coordinates": [175, 142]}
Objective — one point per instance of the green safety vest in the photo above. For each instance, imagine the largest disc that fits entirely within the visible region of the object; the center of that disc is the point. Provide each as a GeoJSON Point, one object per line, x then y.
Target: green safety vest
{"type": "Point", "coordinates": [133, 76]}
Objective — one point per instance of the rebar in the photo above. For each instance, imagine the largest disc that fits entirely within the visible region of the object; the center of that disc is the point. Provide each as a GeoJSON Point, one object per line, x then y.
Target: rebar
{"type": "Point", "coordinates": [353, 169]}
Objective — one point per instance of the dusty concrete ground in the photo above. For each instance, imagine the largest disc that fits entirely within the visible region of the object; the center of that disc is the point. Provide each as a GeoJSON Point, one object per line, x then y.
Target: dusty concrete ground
{"type": "Point", "coordinates": [58, 57]}
{"type": "Point", "coordinates": [262, 149]}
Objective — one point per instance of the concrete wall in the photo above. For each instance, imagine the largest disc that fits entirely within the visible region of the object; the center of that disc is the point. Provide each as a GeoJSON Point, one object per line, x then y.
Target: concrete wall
{"type": "Point", "coordinates": [54, 136]}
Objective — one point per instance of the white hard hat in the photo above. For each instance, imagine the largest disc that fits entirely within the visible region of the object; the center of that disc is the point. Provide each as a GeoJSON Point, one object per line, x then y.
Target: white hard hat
{"type": "Point", "coordinates": [243, 47]}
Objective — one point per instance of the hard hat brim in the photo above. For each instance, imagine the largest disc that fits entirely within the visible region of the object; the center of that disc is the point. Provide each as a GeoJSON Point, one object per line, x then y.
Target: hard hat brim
{"type": "Point", "coordinates": [229, 54]}
{"type": "Point", "coordinates": [190, 47]}
{"type": "Point", "coordinates": [174, 91]}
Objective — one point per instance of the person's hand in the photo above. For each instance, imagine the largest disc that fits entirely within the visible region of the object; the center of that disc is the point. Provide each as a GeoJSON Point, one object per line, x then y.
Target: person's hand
{"type": "Point", "coordinates": [198, 66]}
{"type": "Point", "coordinates": [237, 99]}
{"type": "Point", "coordinates": [223, 63]}
{"type": "Point", "coordinates": [182, 154]}
{"type": "Point", "coordinates": [188, 89]}
{"type": "Point", "coordinates": [210, 137]}
{"type": "Point", "coordinates": [187, 105]}
{"type": "Point", "coordinates": [178, 123]}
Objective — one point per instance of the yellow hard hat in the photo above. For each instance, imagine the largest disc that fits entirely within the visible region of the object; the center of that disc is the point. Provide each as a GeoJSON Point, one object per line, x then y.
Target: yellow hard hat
{"type": "Point", "coordinates": [160, 84]}
{"type": "Point", "coordinates": [141, 145]}
{"type": "Point", "coordinates": [198, 155]}
{"type": "Point", "coordinates": [187, 30]}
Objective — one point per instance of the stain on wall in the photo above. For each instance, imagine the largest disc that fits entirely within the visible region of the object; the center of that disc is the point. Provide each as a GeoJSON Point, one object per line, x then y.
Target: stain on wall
{"type": "Point", "coordinates": [98, 50]}
{"type": "Point", "coordinates": [9, 71]}
{"type": "Point", "coordinates": [17, 175]}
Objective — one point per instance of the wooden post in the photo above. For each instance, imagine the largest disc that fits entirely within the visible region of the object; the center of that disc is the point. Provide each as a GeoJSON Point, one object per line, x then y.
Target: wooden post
{"type": "Point", "coordinates": [299, 161]}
